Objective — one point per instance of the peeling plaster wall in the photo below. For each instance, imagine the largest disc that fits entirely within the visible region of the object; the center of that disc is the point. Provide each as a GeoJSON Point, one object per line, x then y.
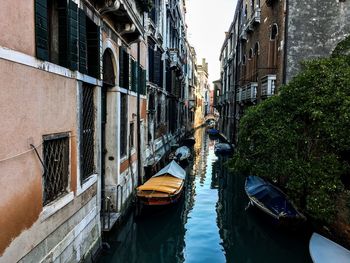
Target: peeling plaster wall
{"type": "Point", "coordinates": [314, 29]}
{"type": "Point", "coordinates": [36, 103]}
{"type": "Point", "coordinates": [33, 103]}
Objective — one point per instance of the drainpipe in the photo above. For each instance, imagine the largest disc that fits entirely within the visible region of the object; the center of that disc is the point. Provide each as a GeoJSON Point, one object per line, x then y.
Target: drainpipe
{"type": "Point", "coordinates": [285, 43]}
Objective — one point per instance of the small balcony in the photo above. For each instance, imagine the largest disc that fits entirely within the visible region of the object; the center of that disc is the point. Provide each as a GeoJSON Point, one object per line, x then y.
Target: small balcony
{"type": "Point", "coordinates": [254, 19]}
{"type": "Point", "coordinates": [125, 16]}
{"type": "Point", "coordinates": [251, 91]}
{"type": "Point", "coordinates": [239, 95]}
{"type": "Point", "coordinates": [175, 60]}
{"type": "Point", "coordinates": [268, 85]}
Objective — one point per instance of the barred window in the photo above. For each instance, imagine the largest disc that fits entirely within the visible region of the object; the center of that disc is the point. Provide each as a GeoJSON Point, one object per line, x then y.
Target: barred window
{"type": "Point", "coordinates": [123, 123]}
{"type": "Point", "coordinates": [87, 145]}
{"type": "Point", "coordinates": [132, 131]}
{"type": "Point", "coordinates": [56, 162]}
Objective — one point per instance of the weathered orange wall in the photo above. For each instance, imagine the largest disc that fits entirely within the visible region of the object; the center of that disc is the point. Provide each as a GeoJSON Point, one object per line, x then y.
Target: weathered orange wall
{"type": "Point", "coordinates": [32, 103]}
{"type": "Point", "coordinates": [17, 25]}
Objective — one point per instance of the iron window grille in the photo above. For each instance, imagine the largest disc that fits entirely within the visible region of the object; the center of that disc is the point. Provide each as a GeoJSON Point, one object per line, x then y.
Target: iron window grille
{"type": "Point", "coordinates": [123, 123]}
{"type": "Point", "coordinates": [56, 166]}
{"type": "Point", "coordinates": [87, 156]}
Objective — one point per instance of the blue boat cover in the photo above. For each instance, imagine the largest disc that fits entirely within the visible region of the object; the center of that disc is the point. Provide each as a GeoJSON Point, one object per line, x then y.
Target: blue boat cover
{"type": "Point", "coordinates": [213, 131]}
{"type": "Point", "coordinates": [270, 196]}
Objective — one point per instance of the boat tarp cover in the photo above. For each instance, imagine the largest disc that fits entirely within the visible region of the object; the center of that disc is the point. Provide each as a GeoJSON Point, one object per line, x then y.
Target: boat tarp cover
{"type": "Point", "coordinates": [172, 169]}
{"type": "Point", "coordinates": [165, 184]}
{"type": "Point", "coordinates": [323, 250]}
{"type": "Point", "coordinates": [269, 195]}
{"type": "Point", "coordinates": [184, 152]}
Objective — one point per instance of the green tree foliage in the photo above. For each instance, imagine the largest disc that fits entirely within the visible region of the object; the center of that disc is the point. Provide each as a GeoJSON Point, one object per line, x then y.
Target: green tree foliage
{"type": "Point", "coordinates": [300, 139]}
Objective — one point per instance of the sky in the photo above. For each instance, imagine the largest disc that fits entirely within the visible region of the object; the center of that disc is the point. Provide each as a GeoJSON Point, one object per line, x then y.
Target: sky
{"type": "Point", "coordinates": [207, 21]}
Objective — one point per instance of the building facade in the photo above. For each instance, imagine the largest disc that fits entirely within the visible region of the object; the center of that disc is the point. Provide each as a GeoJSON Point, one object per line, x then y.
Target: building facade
{"type": "Point", "coordinates": [264, 46]}
{"type": "Point", "coordinates": [202, 94]}
{"type": "Point", "coordinates": [92, 91]}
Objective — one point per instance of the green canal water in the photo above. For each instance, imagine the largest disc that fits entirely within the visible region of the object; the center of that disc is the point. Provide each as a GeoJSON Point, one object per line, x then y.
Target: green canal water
{"type": "Point", "coordinates": [210, 223]}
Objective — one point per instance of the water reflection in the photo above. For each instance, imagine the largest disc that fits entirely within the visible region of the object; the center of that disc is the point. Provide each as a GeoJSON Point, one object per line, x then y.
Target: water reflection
{"type": "Point", "coordinates": [209, 224]}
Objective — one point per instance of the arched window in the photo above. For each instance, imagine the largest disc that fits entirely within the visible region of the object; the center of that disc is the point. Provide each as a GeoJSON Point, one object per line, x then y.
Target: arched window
{"type": "Point", "coordinates": [244, 60]}
{"type": "Point", "coordinates": [274, 32]}
{"type": "Point", "coordinates": [108, 68]}
{"type": "Point", "coordinates": [257, 49]}
{"type": "Point", "coordinates": [272, 58]}
{"type": "Point", "coordinates": [250, 54]}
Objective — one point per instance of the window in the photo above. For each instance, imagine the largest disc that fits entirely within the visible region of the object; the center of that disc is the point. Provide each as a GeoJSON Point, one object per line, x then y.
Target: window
{"type": "Point", "coordinates": [274, 32]}
{"type": "Point", "coordinates": [56, 32]}
{"type": "Point", "coordinates": [65, 36]}
{"type": "Point", "coordinates": [272, 58]}
{"type": "Point", "coordinates": [134, 77]}
{"type": "Point", "coordinates": [123, 68]}
{"type": "Point", "coordinates": [132, 132]}
{"type": "Point", "coordinates": [87, 143]}
{"type": "Point", "coordinates": [123, 123]}
{"type": "Point", "coordinates": [250, 54]}
{"type": "Point", "coordinates": [257, 49]}
{"type": "Point", "coordinates": [56, 170]}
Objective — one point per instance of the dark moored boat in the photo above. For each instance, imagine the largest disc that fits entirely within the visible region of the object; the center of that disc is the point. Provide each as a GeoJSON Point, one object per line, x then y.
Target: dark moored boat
{"type": "Point", "coordinates": [223, 149]}
{"type": "Point", "coordinates": [272, 201]}
{"type": "Point", "coordinates": [213, 132]}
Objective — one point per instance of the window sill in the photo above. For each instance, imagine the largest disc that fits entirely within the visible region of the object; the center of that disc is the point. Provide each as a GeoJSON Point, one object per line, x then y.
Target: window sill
{"type": "Point", "coordinates": [92, 179]}
{"type": "Point", "coordinates": [55, 206]}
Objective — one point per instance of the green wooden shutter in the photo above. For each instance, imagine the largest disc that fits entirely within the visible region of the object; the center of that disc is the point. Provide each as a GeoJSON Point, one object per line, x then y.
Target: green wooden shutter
{"type": "Point", "coordinates": [41, 30]}
{"type": "Point", "coordinates": [93, 48]}
{"type": "Point", "coordinates": [63, 33]}
{"type": "Point", "coordinates": [82, 42]}
{"type": "Point", "coordinates": [121, 67]}
{"type": "Point", "coordinates": [133, 75]}
{"type": "Point", "coordinates": [143, 82]}
{"type": "Point", "coordinates": [157, 71]}
{"type": "Point", "coordinates": [73, 35]}
{"type": "Point", "coordinates": [126, 70]}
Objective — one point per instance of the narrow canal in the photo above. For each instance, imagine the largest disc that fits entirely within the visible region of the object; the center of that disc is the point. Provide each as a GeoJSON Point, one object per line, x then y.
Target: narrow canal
{"type": "Point", "coordinates": [210, 224]}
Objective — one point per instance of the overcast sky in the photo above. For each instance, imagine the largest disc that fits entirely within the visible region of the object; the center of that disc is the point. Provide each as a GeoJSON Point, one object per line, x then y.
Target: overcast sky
{"type": "Point", "coordinates": [207, 21]}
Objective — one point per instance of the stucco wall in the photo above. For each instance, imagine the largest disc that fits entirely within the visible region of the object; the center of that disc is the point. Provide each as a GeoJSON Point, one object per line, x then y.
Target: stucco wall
{"type": "Point", "coordinates": [33, 103]}
{"type": "Point", "coordinates": [17, 20]}
{"type": "Point", "coordinates": [314, 29]}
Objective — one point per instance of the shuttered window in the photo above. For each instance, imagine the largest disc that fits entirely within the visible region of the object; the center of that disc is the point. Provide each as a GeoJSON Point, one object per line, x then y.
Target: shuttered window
{"type": "Point", "coordinates": [123, 123]}
{"type": "Point", "coordinates": [157, 69]}
{"type": "Point", "coordinates": [82, 42]}
{"type": "Point", "coordinates": [123, 68]}
{"type": "Point", "coordinates": [151, 64]}
{"type": "Point", "coordinates": [65, 36]}
{"type": "Point", "coordinates": [134, 82]}
{"type": "Point", "coordinates": [93, 48]}
{"type": "Point", "coordinates": [41, 30]}
{"type": "Point", "coordinates": [142, 81]}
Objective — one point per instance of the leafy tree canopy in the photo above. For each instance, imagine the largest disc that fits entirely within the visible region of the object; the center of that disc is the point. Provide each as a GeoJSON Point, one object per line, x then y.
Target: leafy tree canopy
{"type": "Point", "coordinates": [300, 138]}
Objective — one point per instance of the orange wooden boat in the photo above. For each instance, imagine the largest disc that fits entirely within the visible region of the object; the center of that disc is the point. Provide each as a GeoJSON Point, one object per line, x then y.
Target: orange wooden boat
{"type": "Point", "coordinates": [163, 188]}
